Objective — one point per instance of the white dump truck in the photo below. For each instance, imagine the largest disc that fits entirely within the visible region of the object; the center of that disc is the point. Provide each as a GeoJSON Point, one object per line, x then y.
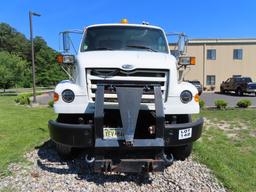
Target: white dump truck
{"type": "Point", "coordinates": [124, 105]}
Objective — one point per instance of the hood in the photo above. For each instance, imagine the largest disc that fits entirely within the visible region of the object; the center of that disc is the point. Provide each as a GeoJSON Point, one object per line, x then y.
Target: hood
{"type": "Point", "coordinates": [251, 85]}
{"type": "Point", "coordinates": [126, 60]}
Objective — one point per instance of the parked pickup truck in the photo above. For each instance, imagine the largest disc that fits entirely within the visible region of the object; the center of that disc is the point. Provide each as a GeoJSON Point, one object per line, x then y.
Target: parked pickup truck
{"type": "Point", "coordinates": [198, 85]}
{"type": "Point", "coordinates": [239, 85]}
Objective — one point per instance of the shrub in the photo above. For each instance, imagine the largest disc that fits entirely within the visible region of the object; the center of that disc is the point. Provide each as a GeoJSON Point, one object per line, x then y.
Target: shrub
{"type": "Point", "coordinates": [212, 88]}
{"type": "Point", "coordinates": [23, 99]}
{"type": "Point", "coordinates": [201, 103]}
{"type": "Point", "coordinates": [244, 103]}
{"type": "Point", "coordinates": [50, 103]}
{"type": "Point", "coordinates": [221, 104]}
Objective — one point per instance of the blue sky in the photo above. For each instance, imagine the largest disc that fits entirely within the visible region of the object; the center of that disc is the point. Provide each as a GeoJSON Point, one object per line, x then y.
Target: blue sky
{"type": "Point", "coordinates": [197, 18]}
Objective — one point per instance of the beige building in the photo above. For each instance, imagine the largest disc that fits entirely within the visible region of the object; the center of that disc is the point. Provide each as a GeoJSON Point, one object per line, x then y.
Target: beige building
{"type": "Point", "coordinates": [219, 59]}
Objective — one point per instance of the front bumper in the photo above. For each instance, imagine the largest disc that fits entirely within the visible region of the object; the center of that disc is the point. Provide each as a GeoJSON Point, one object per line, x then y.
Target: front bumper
{"type": "Point", "coordinates": [173, 132]}
{"type": "Point", "coordinates": [73, 135]}
{"type": "Point", "coordinates": [82, 135]}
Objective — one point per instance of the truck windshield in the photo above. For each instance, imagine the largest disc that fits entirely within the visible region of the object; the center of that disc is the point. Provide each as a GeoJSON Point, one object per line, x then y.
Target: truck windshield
{"type": "Point", "coordinates": [247, 80]}
{"type": "Point", "coordinates": [124, 38]}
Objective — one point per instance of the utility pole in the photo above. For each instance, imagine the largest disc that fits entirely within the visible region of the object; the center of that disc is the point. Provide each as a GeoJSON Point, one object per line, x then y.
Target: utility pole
{"type": "Point", "coordinates": [31, 14]}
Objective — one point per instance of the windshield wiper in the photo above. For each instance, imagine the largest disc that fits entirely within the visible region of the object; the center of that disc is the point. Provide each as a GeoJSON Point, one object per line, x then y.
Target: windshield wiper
{"type": "Point", "coordinates": [142, 47]}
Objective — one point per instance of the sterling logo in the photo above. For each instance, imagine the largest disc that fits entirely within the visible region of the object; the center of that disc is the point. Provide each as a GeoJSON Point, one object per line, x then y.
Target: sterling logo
{"type": "Point", "coordinates": [127, 66]}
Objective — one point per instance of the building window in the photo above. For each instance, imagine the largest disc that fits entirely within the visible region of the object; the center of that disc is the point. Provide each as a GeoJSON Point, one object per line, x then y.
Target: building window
{"type": "Point", "coordinates": [211, 54]}
{"type": "Point", "coordinates": [238, 54]}
{"type": "Point", "coordinates": [210, 80]}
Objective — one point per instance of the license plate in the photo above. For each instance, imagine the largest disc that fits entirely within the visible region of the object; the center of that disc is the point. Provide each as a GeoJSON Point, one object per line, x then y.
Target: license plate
{"type": "Point", "coordinates": [185, 133]}
{"type": "Point", "coordinates": [113, 133]}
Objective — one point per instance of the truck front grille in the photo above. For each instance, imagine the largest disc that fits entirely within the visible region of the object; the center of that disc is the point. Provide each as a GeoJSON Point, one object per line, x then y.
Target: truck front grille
{"type": "Point", "coordinates": [136, 78]}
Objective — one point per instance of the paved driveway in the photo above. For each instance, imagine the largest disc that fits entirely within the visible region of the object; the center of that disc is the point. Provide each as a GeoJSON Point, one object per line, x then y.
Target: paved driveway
{"type": "Point", "coordinates": [45, 98]}
{"type": "Point", "coordinates": [232, 99]}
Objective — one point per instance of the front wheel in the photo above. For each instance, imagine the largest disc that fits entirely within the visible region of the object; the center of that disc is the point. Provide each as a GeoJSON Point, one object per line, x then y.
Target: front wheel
{"type": "Point", "coordinates": [239, 92]}
{"type": "Point", "coordinates": [64, 151]}
{"type": "Point", "coordinates": [222, 90]}
{"type": "Point", "coordinates": [181, 152]}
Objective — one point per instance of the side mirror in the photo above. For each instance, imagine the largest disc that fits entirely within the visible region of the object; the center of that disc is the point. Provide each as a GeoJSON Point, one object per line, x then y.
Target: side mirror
{"type": "Point", "coordinates": [66, 42]}
{"type": "Point", "coordinates": [182, 44]}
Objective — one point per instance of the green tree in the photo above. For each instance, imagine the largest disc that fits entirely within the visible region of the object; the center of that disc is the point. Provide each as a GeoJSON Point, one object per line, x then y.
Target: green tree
{"type": "Point", "coordinates": [13, 41]}
{"type": "Point", "coordinates": [12, 70]}
{"type": "Point", "coordinates": [48, 72]}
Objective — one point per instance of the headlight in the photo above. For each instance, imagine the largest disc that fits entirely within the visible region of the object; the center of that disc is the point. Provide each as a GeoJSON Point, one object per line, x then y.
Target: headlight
{"type": "Point", "coordinates": [68, 96]}
{"type": "Point", "coordinates": [185, 96]}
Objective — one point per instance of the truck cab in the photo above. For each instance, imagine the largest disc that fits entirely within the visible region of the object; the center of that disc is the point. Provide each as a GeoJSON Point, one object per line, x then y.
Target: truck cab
{"type": "Point", "coordinates": [123, 104]}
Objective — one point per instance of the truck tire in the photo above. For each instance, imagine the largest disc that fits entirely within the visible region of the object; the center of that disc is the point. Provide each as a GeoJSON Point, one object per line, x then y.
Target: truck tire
{"type": "Point", "coordinates": [182, 152]}
{"type": "Point", "coordinates": [239, 91]}
{"type": "Point", "coordinates": [222, 90]}
{"type": "Point", "coordinates": [64, 151]}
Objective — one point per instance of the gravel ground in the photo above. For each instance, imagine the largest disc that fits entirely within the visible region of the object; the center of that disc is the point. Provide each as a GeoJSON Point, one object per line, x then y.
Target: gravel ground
{"type": "Point", "coordinates": [48, 173]}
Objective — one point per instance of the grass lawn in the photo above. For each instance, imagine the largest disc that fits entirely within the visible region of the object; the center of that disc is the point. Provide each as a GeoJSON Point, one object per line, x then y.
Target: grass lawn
{"type": "Point", "coordinates": [228, 147]}
{"type": "Point", "coordinates": [21, 129]}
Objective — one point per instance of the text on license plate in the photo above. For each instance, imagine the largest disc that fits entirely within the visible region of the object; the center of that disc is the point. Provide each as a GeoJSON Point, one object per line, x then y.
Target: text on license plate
{"type": "Point", "coordinates": [113, 133]}
{"type": "Point", "coordinates": [185, 133]}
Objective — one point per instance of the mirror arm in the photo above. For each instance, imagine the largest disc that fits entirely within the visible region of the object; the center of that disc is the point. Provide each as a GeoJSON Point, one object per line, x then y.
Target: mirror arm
{"type": "Point", "coordinates": [70, 76]}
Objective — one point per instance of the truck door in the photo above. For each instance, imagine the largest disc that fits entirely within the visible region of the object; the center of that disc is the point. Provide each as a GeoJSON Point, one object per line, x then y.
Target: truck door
{"type": "Point", "coordinates": [232, 84]}
{"type": "Point", "coordinates": [227, 84]}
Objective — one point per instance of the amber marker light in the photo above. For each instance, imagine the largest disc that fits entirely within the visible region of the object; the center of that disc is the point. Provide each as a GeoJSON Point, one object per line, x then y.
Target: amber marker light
{"type": "Point", "coordinates": [192, 60]}
{"type": "Point", "coordinates": [124, 21]}
{"type": "Point", "coordinates": [59, 59]}
{"type": "Point", "coordinates": [197, 98]}
{"type": "Point", "coordinates": [55, 97]}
